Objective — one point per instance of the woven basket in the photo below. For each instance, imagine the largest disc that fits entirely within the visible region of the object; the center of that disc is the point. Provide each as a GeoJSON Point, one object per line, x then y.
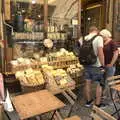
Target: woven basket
{"type": "Point", "coordinates": [31, 88]}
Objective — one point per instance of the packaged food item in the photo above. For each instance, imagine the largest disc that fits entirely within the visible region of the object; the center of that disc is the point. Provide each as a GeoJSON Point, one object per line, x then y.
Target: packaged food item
{"type": "Point", "coordinates": [30, 77]}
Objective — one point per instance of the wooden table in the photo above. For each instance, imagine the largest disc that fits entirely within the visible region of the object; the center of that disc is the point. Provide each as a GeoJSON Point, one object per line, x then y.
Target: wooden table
{"type": "Point", "coordinates": [36, 103]}
{"type": "Point", "coordinates": [73, 118]}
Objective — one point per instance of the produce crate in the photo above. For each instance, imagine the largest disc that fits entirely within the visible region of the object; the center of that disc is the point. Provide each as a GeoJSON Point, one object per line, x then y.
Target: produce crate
{"type": "Point", "coordinates": [78, 77]}
{"type": "Point", "coordinates": [52, 85]}
{"type": "Point", "coordinates": [63, 63]}
{"type": "Point", "coordinates": [21, 67]}
{"type": "Point", "coordinates": [31, 88]}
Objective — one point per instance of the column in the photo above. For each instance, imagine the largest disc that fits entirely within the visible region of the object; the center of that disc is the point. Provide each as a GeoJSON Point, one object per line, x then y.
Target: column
{"type": "Point", "coordinates": [45, 17]}
{"type": "Point", "coordinates": [79, 18]}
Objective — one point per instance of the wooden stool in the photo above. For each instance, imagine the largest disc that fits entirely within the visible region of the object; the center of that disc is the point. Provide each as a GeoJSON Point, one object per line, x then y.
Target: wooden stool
{"type": "Point", "coordinates": [99, 114]}
{"type": "Point", "coordinates": [73, 118]}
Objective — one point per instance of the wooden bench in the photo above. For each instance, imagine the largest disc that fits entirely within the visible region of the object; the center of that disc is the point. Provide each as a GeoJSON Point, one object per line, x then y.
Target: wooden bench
{"type": "Point", "coordinates": [114, 84]}
{"type": "Point", "coordinates": [99, 114]}
{"type": "Point", "coordinates": [73, 118]}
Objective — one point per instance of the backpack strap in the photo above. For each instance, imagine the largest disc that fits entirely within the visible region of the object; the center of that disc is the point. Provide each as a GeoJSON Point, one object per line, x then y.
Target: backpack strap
{"type": "Point", "coordinates": [90, 39]}
{"type": "Point", "coordinates": [93, 37]}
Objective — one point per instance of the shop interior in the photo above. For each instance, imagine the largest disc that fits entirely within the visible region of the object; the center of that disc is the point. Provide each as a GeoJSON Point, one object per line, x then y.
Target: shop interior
{"type": "Point", "coordinates": [40, 38]}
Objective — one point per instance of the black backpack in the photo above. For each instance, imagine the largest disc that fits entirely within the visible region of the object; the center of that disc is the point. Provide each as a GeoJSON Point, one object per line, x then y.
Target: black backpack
{"type": "Point", "coordinates": [87, 55]}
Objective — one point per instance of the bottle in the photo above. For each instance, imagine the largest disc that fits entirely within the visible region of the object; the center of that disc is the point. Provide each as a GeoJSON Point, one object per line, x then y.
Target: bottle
{"type": "Point", "coordinates": [19, 20]}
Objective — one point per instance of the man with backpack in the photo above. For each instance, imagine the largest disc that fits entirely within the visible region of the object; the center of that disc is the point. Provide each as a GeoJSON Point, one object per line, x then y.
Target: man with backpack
{"type": "Point", "coordinates": [92, 58]}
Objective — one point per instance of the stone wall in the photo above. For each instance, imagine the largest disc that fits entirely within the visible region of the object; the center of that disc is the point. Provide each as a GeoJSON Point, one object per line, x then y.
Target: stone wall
{"type": "Point", "coordinates": [113, 22]}
{"type": "Point", "coordinates": [116, 20]}
{"type": "Point", "coordinates": [109, 15]}
{"type": "Point", "coordinates": [65, 10]}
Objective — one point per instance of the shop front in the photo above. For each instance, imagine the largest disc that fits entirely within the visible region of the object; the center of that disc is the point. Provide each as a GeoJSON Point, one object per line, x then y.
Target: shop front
{"type": "Point", "coordinates": [37, 39]}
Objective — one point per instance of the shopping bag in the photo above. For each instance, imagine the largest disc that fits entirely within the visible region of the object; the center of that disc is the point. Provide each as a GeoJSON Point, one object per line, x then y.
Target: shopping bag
{"type": "Point", "coordinates": [8, 104]}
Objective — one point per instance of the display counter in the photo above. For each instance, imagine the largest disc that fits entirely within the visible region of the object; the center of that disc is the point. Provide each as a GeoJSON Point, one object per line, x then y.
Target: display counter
{"type": "Point", "coordinates": [50, 71]}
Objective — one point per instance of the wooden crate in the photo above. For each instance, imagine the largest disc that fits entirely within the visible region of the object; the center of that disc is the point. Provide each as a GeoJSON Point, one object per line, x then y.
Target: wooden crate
{"type": "Point", "coordinates": [52, 85]}
{"type": "Point", "coordinates": [64, 63]}
{"type": "Point", "coordinates": [31, 88]}
{"type": "Point", "coordinates": [23, 67]}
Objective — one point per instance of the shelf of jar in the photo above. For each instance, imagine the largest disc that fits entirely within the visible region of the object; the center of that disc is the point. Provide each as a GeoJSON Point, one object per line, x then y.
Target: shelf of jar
{"type": "Point", "coordinates": [28, 36]}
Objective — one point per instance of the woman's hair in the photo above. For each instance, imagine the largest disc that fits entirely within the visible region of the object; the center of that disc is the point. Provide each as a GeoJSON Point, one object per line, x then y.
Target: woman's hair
{"type": "Point", "coordinates": [105, 33]}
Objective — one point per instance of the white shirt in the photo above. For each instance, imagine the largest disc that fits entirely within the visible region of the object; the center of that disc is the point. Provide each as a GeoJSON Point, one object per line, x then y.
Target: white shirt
{"type": "Point", "coordinates": [97, 42]}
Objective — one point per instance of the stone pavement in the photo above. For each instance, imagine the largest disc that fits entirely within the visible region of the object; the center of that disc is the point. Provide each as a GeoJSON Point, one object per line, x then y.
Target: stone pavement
{"type": "Point", "coordinates": [82, 111]}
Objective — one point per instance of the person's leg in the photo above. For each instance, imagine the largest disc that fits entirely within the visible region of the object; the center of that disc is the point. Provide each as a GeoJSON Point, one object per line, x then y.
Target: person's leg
{"type": "Point", "coordinates": [97, 76]}
{"type": "Point", "coordinates": [110, 71]}
{"type": "Point", "coordinates": [98, 94]}
{"type": "Point", "coordinates": [88, 90]}
{"type": "Point", "coordinates": [88, 82]}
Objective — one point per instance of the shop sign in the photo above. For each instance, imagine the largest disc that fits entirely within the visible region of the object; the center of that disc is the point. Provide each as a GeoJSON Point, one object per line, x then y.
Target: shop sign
{"type": "Point", "coordinates": [74, 22]}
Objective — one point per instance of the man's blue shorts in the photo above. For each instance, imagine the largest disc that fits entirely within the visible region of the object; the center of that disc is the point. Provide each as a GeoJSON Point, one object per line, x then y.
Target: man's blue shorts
{"type": "Point", "coordinates": [93, 73]}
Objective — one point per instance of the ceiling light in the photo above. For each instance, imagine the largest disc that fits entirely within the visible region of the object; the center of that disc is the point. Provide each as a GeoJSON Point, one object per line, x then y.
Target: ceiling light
{"type": "Point", "coordinates": [33, 1]}
{"type": "Point", "coordinates": [89, 18]}
{"type": "Point", "coordinates": [39, 16]}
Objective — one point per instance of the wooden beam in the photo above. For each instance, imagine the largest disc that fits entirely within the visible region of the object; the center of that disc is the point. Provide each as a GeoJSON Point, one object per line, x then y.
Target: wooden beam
{"type": "Point", "coordinates": [79, 18]}
{"type": "Point", "coordinates": [7, 9]}
{"type": "Point", "coordinates": [45, 16]}
{"type": "Point", "coordinates": [50, 2]}
{"type": "Point", "coordinates": [2, 35]}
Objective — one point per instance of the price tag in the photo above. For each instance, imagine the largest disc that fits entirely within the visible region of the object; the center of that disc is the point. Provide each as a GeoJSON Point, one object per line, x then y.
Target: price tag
{"type": "Point", "coordinates": [74, 22]}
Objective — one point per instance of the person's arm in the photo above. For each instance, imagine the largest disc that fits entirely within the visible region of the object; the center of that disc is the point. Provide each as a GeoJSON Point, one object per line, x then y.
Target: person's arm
{"type": "Point", "coordinates": [114, 58]}
{"type": "Point", "coordinates": [100, 50]}
{"type": "Point", "coordinates": [101, 55]}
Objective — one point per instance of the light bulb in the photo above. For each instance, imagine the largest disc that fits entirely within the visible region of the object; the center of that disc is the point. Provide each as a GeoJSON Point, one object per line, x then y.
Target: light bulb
{"type": "Point", "coordinates": [39, 16]}
{"type": "Point", "coordinates": [33, 1]}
